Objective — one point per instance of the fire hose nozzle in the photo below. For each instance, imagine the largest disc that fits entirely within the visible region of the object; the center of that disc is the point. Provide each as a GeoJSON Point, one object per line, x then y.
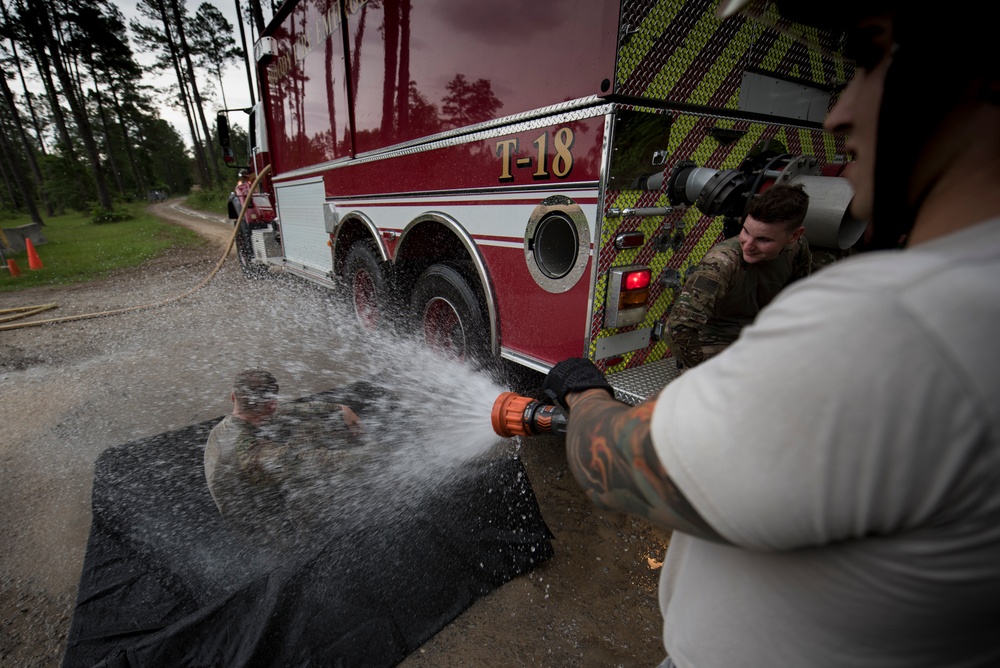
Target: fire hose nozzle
{"type": "Point", "coordinates": [514, 415]}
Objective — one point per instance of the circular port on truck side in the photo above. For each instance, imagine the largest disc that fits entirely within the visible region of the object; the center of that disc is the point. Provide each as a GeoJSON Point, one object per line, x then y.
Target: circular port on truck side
{"type": "Point", "coordinates": [557, 244]}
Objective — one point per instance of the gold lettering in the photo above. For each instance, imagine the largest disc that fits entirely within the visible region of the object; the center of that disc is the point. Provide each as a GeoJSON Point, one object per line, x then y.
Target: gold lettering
{"type": "Point", "coordinates": [327, 24]}
{"type": "Point", "coordinates": [333, 19]}
{"type": "Point", "coordinates": [543, 149]}
{"type": "Point", "coordinates": [302, 46]}
{"type": "Point", "coordinates": [280, 67]}
{"type": "Point", "coordinates": [505, 149]}
{"type": "Point", "coordinates": [353, 6]}
{"type": "Point", "coordinates": [562, 163]}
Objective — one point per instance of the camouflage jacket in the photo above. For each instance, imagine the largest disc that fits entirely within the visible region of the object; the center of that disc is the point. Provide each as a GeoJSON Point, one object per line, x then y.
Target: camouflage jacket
{"type": "Point", "coordinates": [724, 294]}
{"type": "Point", "coordinates": [253, 471]}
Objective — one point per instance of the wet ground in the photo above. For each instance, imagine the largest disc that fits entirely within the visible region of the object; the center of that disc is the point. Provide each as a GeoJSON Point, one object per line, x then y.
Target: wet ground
{"type": "Point", "coordinates": [68, 391]}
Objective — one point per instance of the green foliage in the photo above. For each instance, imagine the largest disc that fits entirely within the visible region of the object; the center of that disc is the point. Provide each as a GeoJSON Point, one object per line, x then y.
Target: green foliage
{"type": "Point", "coordinates": [212, 39]}
{"type": "Point", "coordinates": [66, 183]}
{"type": "Point", "coordinates": [211, 201]}
{"type": "Point", "coordinates": [163, 157]}
{"type": "Point", "coordinates": [116, 122]}
{"type": "Point", "coordinates": [79, 251]}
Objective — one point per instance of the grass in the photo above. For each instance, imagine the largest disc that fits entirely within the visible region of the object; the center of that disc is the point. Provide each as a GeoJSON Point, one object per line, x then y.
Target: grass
{"type": "Point", "coordinates": [79, 250]}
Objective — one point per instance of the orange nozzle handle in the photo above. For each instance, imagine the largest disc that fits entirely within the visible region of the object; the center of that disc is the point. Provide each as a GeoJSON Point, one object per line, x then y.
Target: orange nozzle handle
{"type": "Point", "coordinates": [508, 415]}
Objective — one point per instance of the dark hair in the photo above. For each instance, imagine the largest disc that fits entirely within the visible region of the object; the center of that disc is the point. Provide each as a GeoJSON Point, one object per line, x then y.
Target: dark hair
{"type": "Point", "coordinates": [786, 204]}
{"type": "Point", "coordinates": [254, 388]}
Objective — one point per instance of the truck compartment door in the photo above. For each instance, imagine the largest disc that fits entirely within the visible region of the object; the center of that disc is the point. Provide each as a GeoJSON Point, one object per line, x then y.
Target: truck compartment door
{"type": "Point", "coordinates": [303, 230]}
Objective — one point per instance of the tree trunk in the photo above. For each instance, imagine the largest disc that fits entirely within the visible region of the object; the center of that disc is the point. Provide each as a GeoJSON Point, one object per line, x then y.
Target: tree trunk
{"type": "Point", "coordinates": [29, 152]}
{"type": "Point", "coordinates": [331, 105]}
{"type": "Point", "coordinates": [137, 176]}
{"type": "Point", "coordinates": [186, 52]}
{"type": "Point", "coordinates": [403, 85]}
{"type": "Point", "coordinates": [106, 131]}
{"type": "Point", "coordinates": [246, 52]}
{"type": "Point", "coordinates": [29, 199]}
{"type": "Point", "coordinates": [222, 88]}
{"type": "Point", "coordinates": [359, 40]}
{"type": "Point", "coordinates": [115, 169]}
{"type": "Point", "coordinates": [7, 184]}
{"type": "Point", "coordinates": [41, 58]}
{"type": "Point", "coordinates": [31, 105]}
{"type": "Point", "coordinates": [258, 16]}
{"type": "Point", "coordinates": [24, 85]}
{"type": "Point", "coordinates": [199, 153]}
{"type": "Point", "coordinates": [390, 24]}
{"type": "Point", "coordinates": [76, 106]}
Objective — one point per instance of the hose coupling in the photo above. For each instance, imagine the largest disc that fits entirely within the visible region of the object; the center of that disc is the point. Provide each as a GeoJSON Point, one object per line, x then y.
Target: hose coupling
{"type": "Point", "coordinates": [514, 415]}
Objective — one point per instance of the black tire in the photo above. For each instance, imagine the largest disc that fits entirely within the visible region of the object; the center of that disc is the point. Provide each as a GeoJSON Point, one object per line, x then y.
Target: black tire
{"type": "Point", "coordinates": [448, 314]}
{"type": "Point", "coordinates": [244, 253]}
{"type": "Point", "coordinates": [366, 284]}
{"type": "Point", "coordinates": [233, 207]}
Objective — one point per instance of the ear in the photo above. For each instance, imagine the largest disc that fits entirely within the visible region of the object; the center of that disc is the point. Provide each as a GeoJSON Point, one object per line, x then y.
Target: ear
{"type": "Point", "coordinates": [232, 396]}
{"type": "Point", "coordinates": [796, 234]}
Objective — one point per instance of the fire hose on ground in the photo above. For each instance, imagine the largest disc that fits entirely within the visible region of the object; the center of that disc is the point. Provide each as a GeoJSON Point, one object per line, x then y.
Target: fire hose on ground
{"type": "Point", "coordinates": [32, 310]}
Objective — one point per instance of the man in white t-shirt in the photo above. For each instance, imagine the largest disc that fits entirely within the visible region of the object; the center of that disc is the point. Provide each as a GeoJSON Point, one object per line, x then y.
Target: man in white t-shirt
{"type": "Point", "coordinates": [833, 478]}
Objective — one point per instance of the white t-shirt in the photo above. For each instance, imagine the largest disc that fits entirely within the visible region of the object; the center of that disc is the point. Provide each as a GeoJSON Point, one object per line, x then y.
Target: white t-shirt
{"type": "Point", "coordinates": [848, 445]}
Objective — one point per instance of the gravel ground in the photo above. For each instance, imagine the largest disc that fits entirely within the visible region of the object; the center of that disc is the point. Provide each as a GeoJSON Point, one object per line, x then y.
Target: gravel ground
{"type": "Point", "coordinates": [68, 391]}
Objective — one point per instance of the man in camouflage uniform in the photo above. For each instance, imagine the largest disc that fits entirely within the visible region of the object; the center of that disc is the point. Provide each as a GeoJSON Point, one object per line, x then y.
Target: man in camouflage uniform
{"type": "Point", "coordinates": [740, 276]}
{"type": "Point", "coordinates": [258, 453]}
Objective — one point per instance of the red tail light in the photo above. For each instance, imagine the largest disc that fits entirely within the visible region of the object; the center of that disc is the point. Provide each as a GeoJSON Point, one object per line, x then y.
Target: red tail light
{"type": "Point", "coordinates": [636, 280]}
{"type": "Point", "coordinates": [628, 295]}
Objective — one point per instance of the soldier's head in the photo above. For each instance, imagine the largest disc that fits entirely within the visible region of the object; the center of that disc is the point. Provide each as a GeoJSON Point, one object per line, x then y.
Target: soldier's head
{"type": "Point", "coordinates": [255, 394]}
{"type": "Point", "coordinates": [774, 222]}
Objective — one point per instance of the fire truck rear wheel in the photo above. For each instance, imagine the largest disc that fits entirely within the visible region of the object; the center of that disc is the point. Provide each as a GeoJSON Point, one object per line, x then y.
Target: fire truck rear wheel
{"type": "Point", "coordinates": [366, 280]}
{"type": "Point", "coordinates": [448, 313]}
{"type": "Point", "coordinates": [244, 253]}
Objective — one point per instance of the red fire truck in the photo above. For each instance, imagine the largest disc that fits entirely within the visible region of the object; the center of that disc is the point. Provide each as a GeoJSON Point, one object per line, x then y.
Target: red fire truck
{"type": "Point", "coordinates": [533, 180]}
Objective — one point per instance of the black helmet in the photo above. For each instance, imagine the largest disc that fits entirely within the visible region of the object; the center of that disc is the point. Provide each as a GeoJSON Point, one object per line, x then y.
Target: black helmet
{"type": "Point", "coordinates": [939, 56]}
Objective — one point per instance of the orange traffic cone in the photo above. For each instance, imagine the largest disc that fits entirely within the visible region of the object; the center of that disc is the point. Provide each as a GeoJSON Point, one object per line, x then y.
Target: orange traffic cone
{"type": "Point", "coordinates": [34, 262]}
{"type": "Point", "coordinates": [12, 266]}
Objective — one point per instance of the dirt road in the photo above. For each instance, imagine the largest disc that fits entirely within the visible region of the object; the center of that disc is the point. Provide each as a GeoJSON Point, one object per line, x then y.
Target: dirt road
{"type": "Point", "coordinates": [69, 391]}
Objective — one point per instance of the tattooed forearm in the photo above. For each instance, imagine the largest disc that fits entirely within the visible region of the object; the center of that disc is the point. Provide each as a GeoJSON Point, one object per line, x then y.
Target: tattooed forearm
{"type": "Point", "coordinates": [611, 454]}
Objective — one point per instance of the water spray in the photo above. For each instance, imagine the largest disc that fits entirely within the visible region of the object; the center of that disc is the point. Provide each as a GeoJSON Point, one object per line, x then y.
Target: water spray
{"type": "Point", "coordinates": [514, 415]}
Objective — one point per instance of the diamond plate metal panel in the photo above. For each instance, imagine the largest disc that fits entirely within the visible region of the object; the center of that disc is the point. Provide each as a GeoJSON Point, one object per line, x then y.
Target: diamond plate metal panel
{"type": "Point", "coordinates": [264, 244]}
{"type": "Point", "coordinates": [691, 138]}
{"type": "Point", "coordinates": [636, 385]}
{"type": "Point", "coordinates": [678, 51]}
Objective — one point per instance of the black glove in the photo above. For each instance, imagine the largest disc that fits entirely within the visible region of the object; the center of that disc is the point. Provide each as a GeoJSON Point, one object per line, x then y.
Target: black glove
{"type": "Point", "coordinates": [573, 375]}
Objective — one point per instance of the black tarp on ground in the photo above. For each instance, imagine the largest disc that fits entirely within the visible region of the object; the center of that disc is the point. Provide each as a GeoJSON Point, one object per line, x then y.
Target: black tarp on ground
{"type": "Point", "coordinates": [164, 583]}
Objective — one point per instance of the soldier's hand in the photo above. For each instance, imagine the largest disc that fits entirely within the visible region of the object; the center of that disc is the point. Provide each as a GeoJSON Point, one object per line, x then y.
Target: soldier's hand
{"type": "Point", "coordinates": [574, 375]}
